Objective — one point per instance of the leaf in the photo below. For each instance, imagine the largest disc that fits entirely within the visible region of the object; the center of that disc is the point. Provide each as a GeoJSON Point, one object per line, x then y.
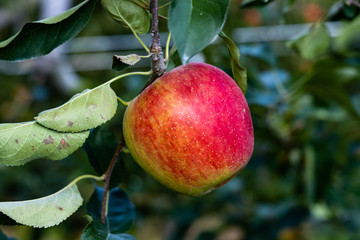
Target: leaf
{"type": "Point", "coordinates": [239, 73]}
{"type": "Point", "coordinates": [121, 213]}
{"type": "Point", "coordinates": [95, 230]}
{"type": "Point", "coordinates": [313, 44]}
{"type": "Point", "coordinates": [41, 37]}
{"type": "Point", "coordinates": [349, 39]}
{"type": "Point", "coordinates": [194, 24]}
{"type": "Point", "coordinates": [47, 211]}
{"type": "Point", "coordinates": [83, 111]}
{"type": "Point", "coordinates": [100, 148]}
{"type": "Point", "coordinates": [128, 14]}
{"type": "Point", "coordinates": [254, 3]}
{"type": "Point", "coordinates": [122, 62]}
{"type": "Point", "coordinates": [23, 142]}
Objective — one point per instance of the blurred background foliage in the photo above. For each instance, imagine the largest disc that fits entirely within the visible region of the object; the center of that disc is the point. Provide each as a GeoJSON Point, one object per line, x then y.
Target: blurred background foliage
{"type": "Point", "coordinates": [304, 94]}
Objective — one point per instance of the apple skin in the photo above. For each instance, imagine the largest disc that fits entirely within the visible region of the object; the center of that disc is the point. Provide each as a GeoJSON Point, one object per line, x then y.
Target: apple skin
{"type": "Point", "coordinates": [191, 129]}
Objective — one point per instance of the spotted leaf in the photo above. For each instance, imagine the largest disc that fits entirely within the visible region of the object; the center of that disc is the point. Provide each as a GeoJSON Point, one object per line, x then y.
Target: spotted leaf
{"type": "Point", "coordinates": [23, 142]}
{"type": "Point", "coordinates": [84, 111]}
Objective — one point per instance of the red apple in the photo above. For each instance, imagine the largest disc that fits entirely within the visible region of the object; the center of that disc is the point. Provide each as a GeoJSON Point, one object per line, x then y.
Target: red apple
{"type": "Point", "coordinates": [191, 129]}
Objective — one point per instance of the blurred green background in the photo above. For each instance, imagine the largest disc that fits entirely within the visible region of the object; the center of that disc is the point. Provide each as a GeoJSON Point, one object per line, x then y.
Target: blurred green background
{"type": "Point", "coordinates": [303, 179]}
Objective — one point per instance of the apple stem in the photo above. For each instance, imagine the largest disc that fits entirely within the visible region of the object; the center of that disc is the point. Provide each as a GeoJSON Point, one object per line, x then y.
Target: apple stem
{"type": "Point", "coordinates": [107, 176]}
{"type": "Point", "coordinates": [157, 58]}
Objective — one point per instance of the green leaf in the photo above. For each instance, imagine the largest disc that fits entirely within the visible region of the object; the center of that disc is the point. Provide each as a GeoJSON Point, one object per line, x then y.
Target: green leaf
{"type": "Point", "coordinates": [128, 14]}
{"type": "Point", "coordinates": [349, 39]}
{"type": "Point", "coordinates": [100, 148]}
{"type": "Point", "coordinates": [254, 3]}
{"type": "Point", "coordinates": [122, 62]}
{"type": "Point", "coordinates": [83, 111]}
{"type": "Point", "coordinates": [95, 230]}
{"type": "Point", "coordinates": [47, 211]}
{"type": "Point", "coordinates": [313, 44]}
{"type": "Point", "coordinates": [23, 142]}
{"type": "Point", "coordinates": [121, 213]}
{"type": "Point", "coordinates": [194, 24]}
{"type": "Point", "coordinates": [239, 73]}
{"type": "Point", "coordinates": [41, 37]}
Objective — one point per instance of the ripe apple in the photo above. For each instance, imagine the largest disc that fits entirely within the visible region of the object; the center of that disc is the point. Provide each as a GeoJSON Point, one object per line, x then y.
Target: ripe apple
{"type": "Point", "coordinates": [191, 129]}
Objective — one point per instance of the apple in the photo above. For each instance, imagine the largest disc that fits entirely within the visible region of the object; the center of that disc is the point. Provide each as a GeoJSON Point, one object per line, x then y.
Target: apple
{"type": "Point", "coordinates": [191, 129]}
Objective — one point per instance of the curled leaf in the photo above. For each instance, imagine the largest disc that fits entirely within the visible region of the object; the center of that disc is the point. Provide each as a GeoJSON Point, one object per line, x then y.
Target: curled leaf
{"type": "Point", "coordinates": [41, 37]}
{"type": "Point", "coordinates": [23, 142]}
{"type": "Point", "coordinates": [83, 111]}
{"type": "Point", "coordinates": [239, 72]}
{"type": "Point", "coordinates": [47, 211]}
{"type": "Point", "coordinates": [121, 62]}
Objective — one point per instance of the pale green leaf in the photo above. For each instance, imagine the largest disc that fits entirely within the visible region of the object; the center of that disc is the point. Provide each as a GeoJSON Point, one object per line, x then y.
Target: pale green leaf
{"type": "Point", "coordinates": [84, 111]}
{"type": "Point", "coordinates": [239, 72]}
{"type": "Point", "coordinates": [130, 59]}
{"type": "Point", "coordinates": [47, 211]}
{"type": "Point", "coordinates": [128, 14]}
{"type": "Point", "coordinates": [41, 37]}
{"type": "Point", "coordinates": [23, 142]}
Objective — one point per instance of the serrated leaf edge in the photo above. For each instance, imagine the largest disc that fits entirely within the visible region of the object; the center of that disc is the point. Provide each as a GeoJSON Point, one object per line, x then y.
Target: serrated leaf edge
{"type": "Point", "coordinates": [70, 102]}
{"type": "Point", "coordinates": [70, 185]}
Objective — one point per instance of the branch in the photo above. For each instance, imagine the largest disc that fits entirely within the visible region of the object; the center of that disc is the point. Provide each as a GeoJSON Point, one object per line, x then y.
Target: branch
{"type": "Point", "coordinates": [107, 176]}
{"type": "Point", "coordinates": [157, 58]}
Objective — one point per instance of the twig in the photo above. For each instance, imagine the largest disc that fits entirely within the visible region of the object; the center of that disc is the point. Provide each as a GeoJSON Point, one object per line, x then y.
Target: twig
{"type": "Point", "coordinates": [107, 176]}
{"type": "Point", "coordinates": [157, 60]}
